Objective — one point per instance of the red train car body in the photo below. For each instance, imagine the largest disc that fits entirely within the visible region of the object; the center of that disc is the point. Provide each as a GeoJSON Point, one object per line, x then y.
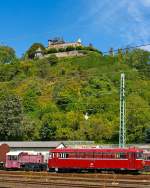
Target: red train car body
{"type": "Point", "coordinates": [96, 159]}
{"type": "Point", "coordinates": [147, 160]}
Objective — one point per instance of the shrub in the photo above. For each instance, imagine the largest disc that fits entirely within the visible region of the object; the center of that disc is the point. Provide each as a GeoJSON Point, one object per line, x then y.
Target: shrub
{"type": "Point", "coordinates": [52, 50]}
{"type": "Point", "coordinates": [7, 55]}
{"type": "Point", "coordinates": [52, 59]}
{"type": "Point", "coordinates": [70, 48]}
{"type": "Point", "coordinates": [79, 48]}
{"type": "Point", "coordinates": [61, 50]}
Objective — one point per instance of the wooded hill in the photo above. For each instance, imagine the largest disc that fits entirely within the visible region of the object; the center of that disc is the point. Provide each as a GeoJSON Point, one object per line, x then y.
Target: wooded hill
{"type": "Point", "coordinates": [47, 99]}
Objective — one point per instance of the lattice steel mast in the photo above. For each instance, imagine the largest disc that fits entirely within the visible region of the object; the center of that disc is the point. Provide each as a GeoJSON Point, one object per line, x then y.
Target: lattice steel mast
{"type": "Point", "coordinates": [122, 131]}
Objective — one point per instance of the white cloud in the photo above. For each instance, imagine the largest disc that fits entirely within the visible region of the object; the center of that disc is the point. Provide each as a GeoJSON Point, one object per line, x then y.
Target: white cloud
{"type": "Point", "coordinates": [146, 48]}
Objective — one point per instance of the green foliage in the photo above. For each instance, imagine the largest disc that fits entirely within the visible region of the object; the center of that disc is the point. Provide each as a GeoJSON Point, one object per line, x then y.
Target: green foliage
{"type": "Point", "coordinates": [47, 99]}
{"type": "Point", "coordinates": [61, 50]}
{"type": "Point", "coordinates": [43, 68]}
{"type": "Point", "coordinates": [79, 48]}
{"type": "Point", "coordinates": [51, 50]}
{"type": "Point", "coordinates": [9, 71]}
{"type": "Point", "coordinates": [32, 50]}
{"type": "Point", "coordinates": [11, 115]}
{"type": "Point", "coordinates": [30, 101]}
{"type": "Point", "coordinates": [70, 48]}
{"type": "Point", "coordinates": [147, 135]}
{"type": "Point", "coordinates": [7, 55]}
{"type": "Point", "coordinates": [52, 59]}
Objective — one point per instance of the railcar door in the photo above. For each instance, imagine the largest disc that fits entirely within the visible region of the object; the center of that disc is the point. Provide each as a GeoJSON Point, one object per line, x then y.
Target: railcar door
{"type": "Point", "coordinates": [132, 158]}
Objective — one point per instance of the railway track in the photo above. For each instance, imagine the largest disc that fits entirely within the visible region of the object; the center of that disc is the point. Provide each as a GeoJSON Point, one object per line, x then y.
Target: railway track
{"type": "Point", "coordinates": [46, 180]}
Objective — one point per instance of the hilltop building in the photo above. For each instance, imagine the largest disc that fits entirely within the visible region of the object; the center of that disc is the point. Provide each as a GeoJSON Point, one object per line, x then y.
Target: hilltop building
{"type": "Point", "coordinates": [60, 43]}
{"type": "Point", "coordinates": [38, 53]}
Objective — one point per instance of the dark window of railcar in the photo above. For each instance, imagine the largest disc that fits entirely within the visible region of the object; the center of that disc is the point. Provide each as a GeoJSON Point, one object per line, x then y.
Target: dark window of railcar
{"type": "Point", "coordinates": [106, 155]}
{"type": "Point", "coordinates": [81, 155]}
{"type": "Point", "coordinates": [139, 155]}
{"type": "Point", "coordinates": [89, 155]}
{"type": "Point", "coordinates": [13, 157]}
{"type": "Point", "coordinates": [72, 155]}
{"type": "Point", "coordinates": [146, 157]}
{"type": "Point", "coordinates": [65, 155]}
{"type": "Point", "coordinates": [98, 155]}
{"type": "Point", "coordinates": [123, 155]}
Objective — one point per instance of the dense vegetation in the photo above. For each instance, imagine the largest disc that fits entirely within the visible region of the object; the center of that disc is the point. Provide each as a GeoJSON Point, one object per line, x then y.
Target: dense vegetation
{"type": "Point", "coordinates": [47, 99]}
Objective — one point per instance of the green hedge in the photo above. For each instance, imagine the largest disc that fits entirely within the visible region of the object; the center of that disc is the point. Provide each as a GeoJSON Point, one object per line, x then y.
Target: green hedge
{"type": "Point", "coordinates": [72, 48]}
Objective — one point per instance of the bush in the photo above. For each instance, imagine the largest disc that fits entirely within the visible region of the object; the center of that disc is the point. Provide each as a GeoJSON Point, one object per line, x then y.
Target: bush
{"type": "Point", "coordinates": [43, 68]}
{"type": "Point", "coordinates": [70, 48]}
{"type": "Point", "coordinates": [52, 59]}
{"type": "Point", "coordinates": [61, 50]}
{"type": "Point", "coordinates": [79, 48]}
{"type": "Point", "coordinates": [51, 50]}
{"type": "Point", "coordinates": [7, 55]}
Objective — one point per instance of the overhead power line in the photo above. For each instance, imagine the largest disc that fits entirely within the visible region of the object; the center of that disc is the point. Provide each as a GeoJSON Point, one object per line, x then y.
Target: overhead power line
{"type": "Point", "coordinates": [127, 48]}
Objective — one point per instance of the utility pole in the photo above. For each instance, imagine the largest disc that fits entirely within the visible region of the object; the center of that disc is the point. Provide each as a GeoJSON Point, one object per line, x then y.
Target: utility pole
{"type": "Point", "coordinates": [122, 131]}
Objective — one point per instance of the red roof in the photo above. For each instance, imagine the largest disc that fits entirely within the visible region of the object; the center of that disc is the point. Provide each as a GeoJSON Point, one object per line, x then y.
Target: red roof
{"type": "Point", "coordinates": [96, 150]}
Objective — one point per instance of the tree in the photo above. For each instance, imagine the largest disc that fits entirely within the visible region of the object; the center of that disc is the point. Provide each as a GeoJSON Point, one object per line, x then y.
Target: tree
{"type": "Point", "coordinates": [11, 114]}
{"type": "Point", "coordinates": [47, 132]}
{"type": "Point", "coordinates": [48, 128]}
{"type": "Point", "coordinates": [137, 119]}
{"type": "Point", "coordinates": [147, 135]}
{"type": "Point", "coordinates": [7, 55]}
{"type": "Point", "coordinates": [32, 50]}
{"type": "Point", "coordinates": [120, 55]}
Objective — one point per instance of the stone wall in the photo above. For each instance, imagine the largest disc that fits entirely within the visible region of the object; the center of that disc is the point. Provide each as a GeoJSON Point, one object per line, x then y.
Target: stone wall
{"type": "Point", "coordinates": [67, 54]}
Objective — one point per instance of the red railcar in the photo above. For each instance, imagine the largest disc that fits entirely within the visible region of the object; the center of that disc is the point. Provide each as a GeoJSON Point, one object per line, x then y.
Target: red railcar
{"type": "Point", "coordinates": [95, 159]}
{"type": "Point", "coordinates": [147, 160]}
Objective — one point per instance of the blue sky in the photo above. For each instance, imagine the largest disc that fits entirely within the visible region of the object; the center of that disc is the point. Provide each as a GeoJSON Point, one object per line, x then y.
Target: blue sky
{"type": "Point", "coordinates": [104, 23]}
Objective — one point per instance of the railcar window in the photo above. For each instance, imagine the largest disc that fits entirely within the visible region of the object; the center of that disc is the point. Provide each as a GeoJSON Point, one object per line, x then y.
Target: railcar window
{"type": "Point", "coordinates": [72, 155]}
{"type": "Point", "coordinates": [13, 157]}
{"type": "Point", "coordinates": [89, 155]}
{"type": "Point", "coordinates": [139, 155]}
{"type": "Point", "coordinates": [81, 155]}
{"type": "Point", "coordinates": [121, 156]}
{"type": "Point", "coordinates": [107, 155]}
{"type": "Point", "coordinates": [50, 155]}
{"type": "Point", "coordinates": [63, 155]}
{"type": "Point", "coordinates": [98, 155]}
{"type": "Point", "coordinates": [147, 157]}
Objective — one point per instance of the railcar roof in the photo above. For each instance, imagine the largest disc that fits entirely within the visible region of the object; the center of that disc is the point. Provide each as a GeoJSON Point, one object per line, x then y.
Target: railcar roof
{"type": "Point", "coordinates": [96, 150]}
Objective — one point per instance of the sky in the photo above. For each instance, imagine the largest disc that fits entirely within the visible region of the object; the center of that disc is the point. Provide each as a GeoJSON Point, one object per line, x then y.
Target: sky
{"type": "Point", "coordinates": [104, 23]}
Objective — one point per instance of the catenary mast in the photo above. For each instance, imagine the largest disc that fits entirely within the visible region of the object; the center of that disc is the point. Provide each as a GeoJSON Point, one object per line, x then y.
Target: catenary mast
{"type": "Point", "coordinates": [122, 131]}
